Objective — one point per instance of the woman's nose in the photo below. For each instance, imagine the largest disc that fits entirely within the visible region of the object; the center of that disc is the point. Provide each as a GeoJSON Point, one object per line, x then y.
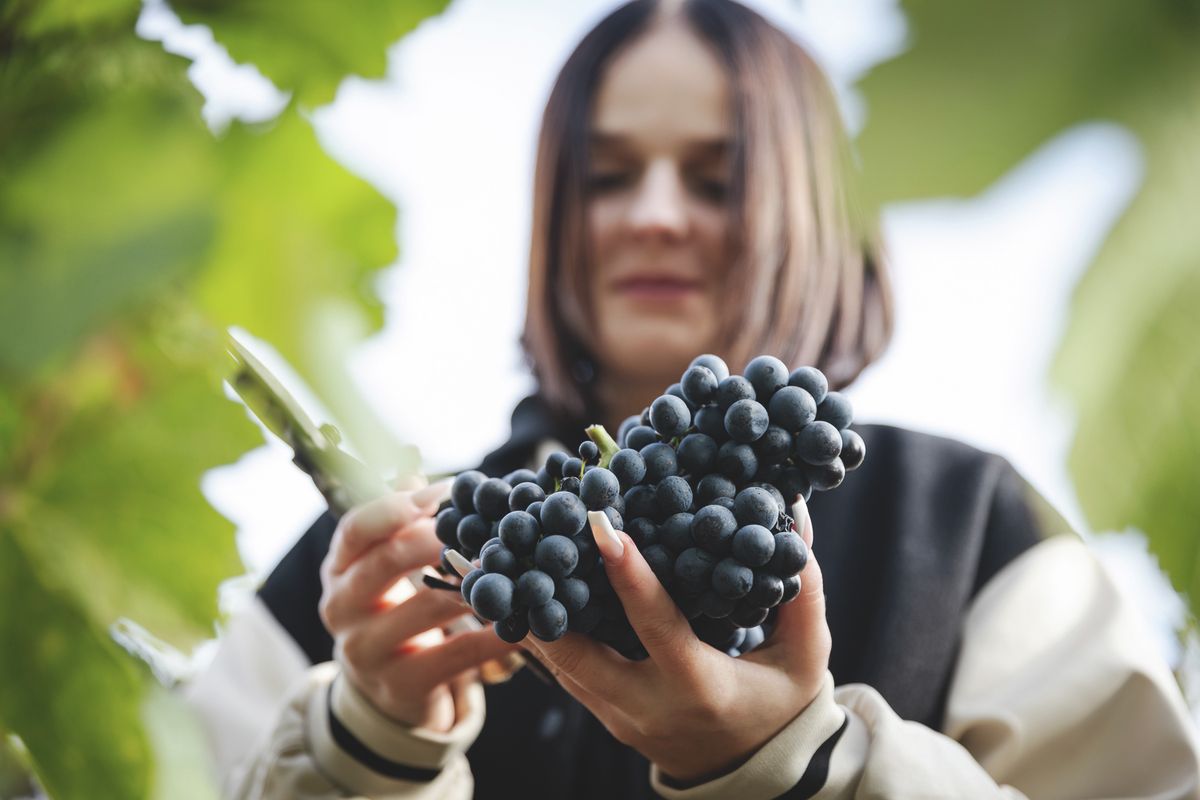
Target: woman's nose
{"type": "Point", "coordinates": [659, 208]}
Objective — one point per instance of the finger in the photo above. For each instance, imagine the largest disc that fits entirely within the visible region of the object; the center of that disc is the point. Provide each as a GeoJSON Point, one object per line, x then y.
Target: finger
{"type": "Point", "coordinates": [594, 667]}
{"type": "Point", "coordinates": [376, 641]}
{"type": "Point", "coordinates": [460, 652]}
{"type": "Point", "coordinates": [658, 622]}
{"type": "Point", "coordinates": [368, 524]}
{"type": "Point", "coordinates": [601, 708]}
{"type": "Point", "coordinates": [363, 588]}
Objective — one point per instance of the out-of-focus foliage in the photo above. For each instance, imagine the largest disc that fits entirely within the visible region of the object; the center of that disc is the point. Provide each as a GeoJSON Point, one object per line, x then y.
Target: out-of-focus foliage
{"type": "Point", "coordinates": [313, 44]}
{"type": "Point", "coordinates": [130, 237]}
{"type": "Point", "coordinates": [982, 86]}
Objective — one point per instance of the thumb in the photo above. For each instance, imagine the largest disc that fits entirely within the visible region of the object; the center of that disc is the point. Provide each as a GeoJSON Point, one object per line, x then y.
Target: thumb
{"type": "Point", "coordinates": [801, 632]}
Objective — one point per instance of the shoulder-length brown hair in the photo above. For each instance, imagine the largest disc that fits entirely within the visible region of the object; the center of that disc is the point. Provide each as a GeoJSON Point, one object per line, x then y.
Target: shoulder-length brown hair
{"type": "Point", "coordinates": [811, 285]}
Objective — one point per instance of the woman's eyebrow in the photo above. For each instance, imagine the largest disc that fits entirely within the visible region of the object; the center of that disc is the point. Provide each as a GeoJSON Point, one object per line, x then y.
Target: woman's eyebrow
{"type": "Point", "coordinates": [712, 147]}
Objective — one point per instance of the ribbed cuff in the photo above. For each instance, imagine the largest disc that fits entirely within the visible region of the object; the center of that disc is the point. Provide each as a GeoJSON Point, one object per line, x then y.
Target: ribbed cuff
{"type": "Point", "coordinates": [797, 758]}
{"type": "Point", "coordinates": [365, 752]}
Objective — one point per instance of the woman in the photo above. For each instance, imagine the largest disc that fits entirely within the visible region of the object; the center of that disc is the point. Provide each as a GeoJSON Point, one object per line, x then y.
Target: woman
{"type": "Point", "coordinates": [693, 193]}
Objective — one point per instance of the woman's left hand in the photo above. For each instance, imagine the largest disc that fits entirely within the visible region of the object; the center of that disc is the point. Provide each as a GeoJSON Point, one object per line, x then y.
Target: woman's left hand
{"type": "Point", "coordinates": [689, 708]}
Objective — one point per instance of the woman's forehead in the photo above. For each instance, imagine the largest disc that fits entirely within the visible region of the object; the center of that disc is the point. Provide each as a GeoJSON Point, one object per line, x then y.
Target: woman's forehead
{"type": "Point", "coordinates": [666, 88]}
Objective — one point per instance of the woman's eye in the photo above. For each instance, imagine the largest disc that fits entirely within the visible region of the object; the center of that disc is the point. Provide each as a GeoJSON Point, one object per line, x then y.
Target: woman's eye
{"type": "Point", "coordinates": [604, 181]}
{"type": "Point", "coordinates": [711, 189]}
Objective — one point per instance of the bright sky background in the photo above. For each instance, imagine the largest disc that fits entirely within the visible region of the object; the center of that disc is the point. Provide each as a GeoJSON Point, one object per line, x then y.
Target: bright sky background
{"type": "Point", "coordinates": [983, 283]}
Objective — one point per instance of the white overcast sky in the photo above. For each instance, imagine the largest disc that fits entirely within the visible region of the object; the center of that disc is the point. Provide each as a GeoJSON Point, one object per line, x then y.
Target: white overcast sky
{"type": "Point", "coordinates": [983, 283]}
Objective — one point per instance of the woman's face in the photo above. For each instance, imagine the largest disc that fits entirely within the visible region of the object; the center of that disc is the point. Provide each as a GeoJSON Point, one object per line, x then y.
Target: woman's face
{"type": "Point", "coordinates": [656, 215]}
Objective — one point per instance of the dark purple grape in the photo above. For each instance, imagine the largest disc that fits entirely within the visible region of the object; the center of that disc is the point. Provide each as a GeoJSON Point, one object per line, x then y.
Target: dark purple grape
{"type": "Point", "coordinates": [791, 554]}
{"type": "Point", "coordinates": [491, 499]}
{"type": "Point", "coordinates": [697, 454]}
{"type": "Point", "coordinates": [694, 568]}
{"type": "Point", "coordinates": [767, 590]}
{"type": "Point", "coordinates": [614, 518]}
{"type": "Point", "coordinates": [626, 426]}
{"type": "Point", "coordinates": [826, 477]}
{"type": "Point", "coordinates": [473, 531]}
{"type": "Point", "coordinates": [534, 588]}
{"type": "Point", "coordinates": [520, 476]}
{"type": "Point", "coordinates": [670, 416]}
{"type": "Point", "coordinates": [548, 622]}
{"type": "Point", "coordinates": [545, 480]}
{"type": "Point", "coordinates": [643, 532]}
{"type": "Point", "coordinates": [589, 451]}
{"type": "Point", "coordinates": [773, 447]}
{"type": "Point", "coordinates": [753, 545]}
{"type": "Point", "coordinates": [555, 461]}
{"type": "Point", "coordinates": [468, 582]}
{"type": "Point", "coordinates": [589, 555]}
{"type": "Point", "coordinates": [570, 486]}
{"type": "Point", "coordinates": [714, 363]}
{"type": "Point", "coordinates": [639, 502]}
{"type": "Point", "coordinates": [854, 450]}
{"type": "Point", "coordinates": [737, 461]}
{"type": "Point", "coordinates": [661, 461]}
{"type": "Point", "coordinates": [768, 375]}
{"type": "Point", "coordinates": [524, 494]}
{"type": "Point", "coordinates": [462, 491]}
{"type": "Point", "coordinates": [713, 528]}
{"type": "Point", "coordinates": [572, 467]}
{"type": "Point", "coordinates": [513, 629]}
{"type": "Point", "coordinates": [836, 410]}
{"type": "Point", "coordinates": [699, 385]}
{"type": "Point", "coordinates": [756, 506]}
{"type": "Point", "coordinates": [573, 594]}
{"type": "Point", "coordinates": [747, 616]}
{"type": "Point", "coordinates": [746, 421]}
{"type": "Point", "coordinates": [811, 380]}
{"type": "Point", "coordinates": [446, 527]}
{"type": "Point", "coordinates": [713, 486]}
{"type": "Point", "coordinates": [661, 562]}
{"type": "Point", "coordinates": [563, 514]}
{"type": "Point", "coordinates": [629, 467]}
{"type": "Point", "coordinates": [499, 559]}
{"type": "Point", "coordinates": [818, 443]}
{"type": "Point", "coordinates": [492, 596]}
{"type": "Point", "coordinates": [599, 489]}
{"type": "Point", "coordinates": [675, 533]}
{"type": "Point", "coordinates": [672, 495]}
{"type": "Point", "coordinates": [791, 589]}
{"type": "Point", "coordinates": [710, 420]}
{"type": "Point", "coordinates": [556, 556]}
{"type": "Point", "coordinates": [732, 579]}
{"type": "Point", "coordinates": [792, 408]}
{"type": "Point", "coordinates": [733, 389]}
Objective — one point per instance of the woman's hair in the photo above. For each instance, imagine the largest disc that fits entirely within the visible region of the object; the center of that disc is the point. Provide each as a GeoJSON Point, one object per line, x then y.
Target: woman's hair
{"type": "Point", "coordinates": [810, 283]}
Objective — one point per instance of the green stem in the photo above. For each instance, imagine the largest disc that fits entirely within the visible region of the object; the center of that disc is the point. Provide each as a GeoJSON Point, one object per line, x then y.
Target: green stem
{"type": "Point", "coordinates": [608, 446]}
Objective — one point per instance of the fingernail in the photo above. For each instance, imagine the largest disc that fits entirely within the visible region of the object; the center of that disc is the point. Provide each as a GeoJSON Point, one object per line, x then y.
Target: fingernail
{"type": "Point", "coordinates": [459, 562]}
{"type": "Point", "coordinates": [800, 514]}
{"type": "Point", "coordinates": [606, 538]}
{"type": "Point", "coordinates": [434, 493]}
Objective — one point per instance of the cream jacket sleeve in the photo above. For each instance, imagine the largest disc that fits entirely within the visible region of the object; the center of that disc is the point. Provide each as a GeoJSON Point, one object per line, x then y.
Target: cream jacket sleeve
{"type": "Point", "coordinates": [280, 729]}
{"type": "Point", "coordinates": [1058, 693]}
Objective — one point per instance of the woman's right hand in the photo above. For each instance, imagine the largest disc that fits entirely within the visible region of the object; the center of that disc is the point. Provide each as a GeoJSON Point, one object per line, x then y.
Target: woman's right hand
{"type": "Point", "coordinates": [392, 649]}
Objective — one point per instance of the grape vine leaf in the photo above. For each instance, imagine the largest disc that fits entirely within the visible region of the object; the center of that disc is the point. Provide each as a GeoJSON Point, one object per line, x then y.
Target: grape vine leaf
{"type": "Point", "coordinates": [308, 47]}
{"type": "Point", "coordinates": [980, 88]}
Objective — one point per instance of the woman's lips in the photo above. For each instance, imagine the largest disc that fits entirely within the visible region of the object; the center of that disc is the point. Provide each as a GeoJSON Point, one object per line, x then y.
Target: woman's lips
{"type": "Point", "coordinates": [656, 288]}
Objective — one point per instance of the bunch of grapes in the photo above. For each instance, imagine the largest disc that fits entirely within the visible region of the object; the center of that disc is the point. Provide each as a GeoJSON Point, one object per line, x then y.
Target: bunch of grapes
{"type": "Point", "coordinates": [700, 482]}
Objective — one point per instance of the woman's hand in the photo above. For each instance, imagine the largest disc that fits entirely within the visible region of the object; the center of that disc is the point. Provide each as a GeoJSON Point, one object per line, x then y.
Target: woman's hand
{"type": "Point", "coordinates": [692, 710]}
{"type": "Point", "coordinates": [388, 637]}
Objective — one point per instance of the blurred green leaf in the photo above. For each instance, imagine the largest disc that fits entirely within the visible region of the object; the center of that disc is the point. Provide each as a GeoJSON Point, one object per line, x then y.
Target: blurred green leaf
{"type": "Point", "coordinates": [181, 752]}
{"type": "Point", "coordinates": [65, 689]}
{"type": "Point", "coordinates": [309, 46]}
{"type": "Point", "coordinates": [113, 498]}
{"type": "Point", "coordinates": [983, 86]}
